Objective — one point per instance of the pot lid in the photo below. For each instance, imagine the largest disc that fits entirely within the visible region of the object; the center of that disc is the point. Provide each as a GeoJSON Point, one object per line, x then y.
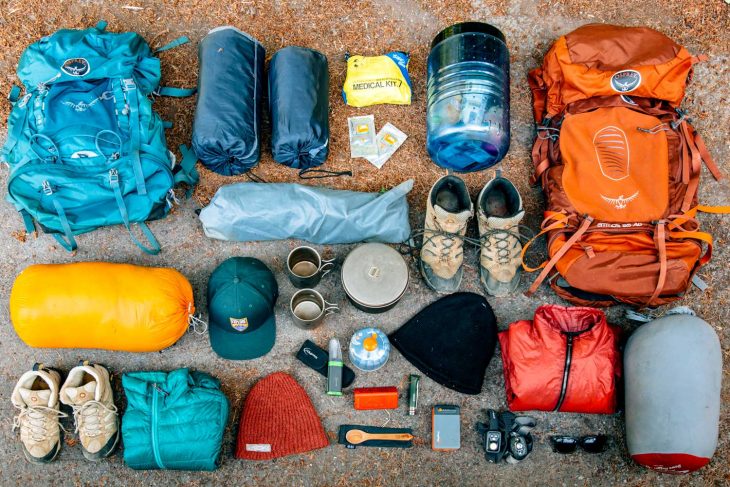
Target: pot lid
{"type": "Point", "coordinates": [375, 275]}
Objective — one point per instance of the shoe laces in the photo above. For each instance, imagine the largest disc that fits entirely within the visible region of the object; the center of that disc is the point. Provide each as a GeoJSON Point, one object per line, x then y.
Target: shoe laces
{"type": "Point", "coordinates": [448, 239]}
{"type": "Point", "coordinates": [35, 419]}
{"type": "Point", "coordinates": [505, 240]}
{"type": "Point", "coordinates": [88, 417]}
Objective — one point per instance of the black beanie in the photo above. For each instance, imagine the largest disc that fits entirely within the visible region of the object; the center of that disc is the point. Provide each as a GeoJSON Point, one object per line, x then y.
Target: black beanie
{"type": "Point", "coordinates": [451, 340]}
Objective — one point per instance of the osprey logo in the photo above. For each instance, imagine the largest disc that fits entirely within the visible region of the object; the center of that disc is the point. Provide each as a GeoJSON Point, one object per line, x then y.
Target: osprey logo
{"type": "Point", "coordinates": [625, 81]}
{"type": "Point", "coordinates": [80, 107]}
{"type": "Point", "coordinates": [239, 324]}
{"type": "Point", "coordinates": [77, 66]}
{"type": "Point", "coordinates": [620, 202]}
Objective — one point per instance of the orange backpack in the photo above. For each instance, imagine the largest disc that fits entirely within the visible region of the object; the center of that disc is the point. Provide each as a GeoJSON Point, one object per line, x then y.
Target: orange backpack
{"type": "Point", "coordinates": [619, 164]}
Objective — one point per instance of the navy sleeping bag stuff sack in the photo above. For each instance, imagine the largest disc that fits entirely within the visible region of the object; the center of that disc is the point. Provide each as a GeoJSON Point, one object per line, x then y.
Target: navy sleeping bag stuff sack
{"type": "Point", "coordinates": [226, 128]}
{"type": "Point", "coordinates": [299, 109]}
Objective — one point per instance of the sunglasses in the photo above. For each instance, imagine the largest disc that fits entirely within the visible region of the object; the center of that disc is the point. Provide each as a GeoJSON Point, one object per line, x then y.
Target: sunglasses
{"type": "Point", "coordinates": [589, 444]}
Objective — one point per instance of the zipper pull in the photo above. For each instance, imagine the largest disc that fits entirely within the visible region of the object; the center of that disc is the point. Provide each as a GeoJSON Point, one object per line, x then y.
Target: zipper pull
{"type": "Point", "coordinates": [160, 390]}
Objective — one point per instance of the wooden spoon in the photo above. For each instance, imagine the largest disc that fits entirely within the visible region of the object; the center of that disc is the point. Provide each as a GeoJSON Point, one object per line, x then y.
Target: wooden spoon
{"type": "Point", "coordinates": [359, 436]}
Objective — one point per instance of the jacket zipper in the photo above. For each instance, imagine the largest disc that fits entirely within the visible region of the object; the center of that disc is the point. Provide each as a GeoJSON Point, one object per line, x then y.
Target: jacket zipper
{"type": "Point", "coordinates": [155, 446]}
{"type": "Point", "coordinates": [566, 371]}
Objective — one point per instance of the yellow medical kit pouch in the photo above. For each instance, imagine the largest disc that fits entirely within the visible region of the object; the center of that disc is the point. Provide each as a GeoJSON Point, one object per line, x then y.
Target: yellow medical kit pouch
{"type": "Point", "coordinates": [101, 305]}
{"type": "Point", "coordinates": [373, 80]}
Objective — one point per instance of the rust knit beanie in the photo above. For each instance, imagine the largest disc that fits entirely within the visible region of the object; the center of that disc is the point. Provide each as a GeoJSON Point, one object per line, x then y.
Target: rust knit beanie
{"type": "Point", "coordinates": [278, 419]}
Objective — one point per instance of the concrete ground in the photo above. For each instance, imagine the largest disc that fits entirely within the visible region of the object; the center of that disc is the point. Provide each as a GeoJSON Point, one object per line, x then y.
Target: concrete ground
{"type": "Point", "coordinates": [368, 27]}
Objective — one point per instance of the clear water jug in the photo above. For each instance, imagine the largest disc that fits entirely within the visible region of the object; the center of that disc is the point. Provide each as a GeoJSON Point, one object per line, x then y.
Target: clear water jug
{"type": "Point", "coordinates": [468, 97]}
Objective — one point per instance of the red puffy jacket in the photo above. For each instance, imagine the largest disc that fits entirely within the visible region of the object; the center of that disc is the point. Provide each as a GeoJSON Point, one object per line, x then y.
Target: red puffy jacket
{"type": "Point", "coordinates": [566, 359]}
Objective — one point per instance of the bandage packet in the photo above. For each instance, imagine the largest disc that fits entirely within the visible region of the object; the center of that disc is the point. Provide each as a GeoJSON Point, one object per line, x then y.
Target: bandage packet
{"type": "Point", "coordinates": [362, 136]}
{"type": "Point", "coordinates": [388, 140]}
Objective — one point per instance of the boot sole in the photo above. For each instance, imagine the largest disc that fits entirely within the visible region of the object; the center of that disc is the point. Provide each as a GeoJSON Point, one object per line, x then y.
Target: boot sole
{"type": "Point", "coordinates": [434, 288]}
{"type": "Point", "coordinates": [104, 452]}
{"type": "Point", "coordinates": [500, 289]}
{"type": "Point", "coordinates": [43, 460]}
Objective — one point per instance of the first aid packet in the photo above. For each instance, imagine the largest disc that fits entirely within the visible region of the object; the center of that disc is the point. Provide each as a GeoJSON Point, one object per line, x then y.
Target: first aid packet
{"type": "Point", "coordinates": [388, 140]}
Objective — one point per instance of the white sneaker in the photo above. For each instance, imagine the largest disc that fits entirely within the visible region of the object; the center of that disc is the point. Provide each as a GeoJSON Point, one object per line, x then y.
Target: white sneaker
{"type": "Point", "coordinates": [36, 396]}
{"type": "Point", "coordinates": [89, 392]}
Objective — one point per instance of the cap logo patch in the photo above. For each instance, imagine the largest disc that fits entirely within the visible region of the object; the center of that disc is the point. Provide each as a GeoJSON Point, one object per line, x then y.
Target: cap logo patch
{"type": "Point", "coordinates": [239, 324]}
{"type": "Point", "coordinates": [76, 66]}
{"type": "Point", "coordinates": [259, 447]}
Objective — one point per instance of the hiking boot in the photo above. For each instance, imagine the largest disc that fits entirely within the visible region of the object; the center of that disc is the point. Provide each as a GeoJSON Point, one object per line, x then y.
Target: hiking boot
{"type": "Point", "coordinates": [500, 213]}
{"type": "Point", "coordinates": [36, 396]}
{"type": "Point", "coordinates": [89, 392]}
{"type": "Point", "coordinates": [447, 215]}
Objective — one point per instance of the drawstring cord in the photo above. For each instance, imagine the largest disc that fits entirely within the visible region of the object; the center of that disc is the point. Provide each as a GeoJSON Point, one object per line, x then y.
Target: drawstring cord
{"type": "Point", "coordinates": [544, 133]}
{"type": "Point", "coordinates": [253, 177]}
{"type": "Point", "coordinates": [304, 173]}
{"type": "Point", "coordinates": [662, 127]}
{"type": "Point", "coordinates": [651, 315]}
{"type": "Point", "coordinates": [199, 326]}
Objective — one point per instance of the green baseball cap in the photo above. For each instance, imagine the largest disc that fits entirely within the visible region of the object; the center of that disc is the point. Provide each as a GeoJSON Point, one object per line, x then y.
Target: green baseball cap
{"type": "Point", "coordinates": [242, 293]}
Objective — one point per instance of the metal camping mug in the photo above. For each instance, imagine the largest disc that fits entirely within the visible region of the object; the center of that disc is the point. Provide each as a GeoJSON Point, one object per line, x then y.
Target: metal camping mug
{"type": "Point", "coordinates": [309, 308]}
{"type": "Point", "coordinates": [306, 268]}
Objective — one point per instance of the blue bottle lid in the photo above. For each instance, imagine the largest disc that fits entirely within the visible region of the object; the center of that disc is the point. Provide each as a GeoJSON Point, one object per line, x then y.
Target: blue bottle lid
{"type": "Point", "coordinates": [369, 349]}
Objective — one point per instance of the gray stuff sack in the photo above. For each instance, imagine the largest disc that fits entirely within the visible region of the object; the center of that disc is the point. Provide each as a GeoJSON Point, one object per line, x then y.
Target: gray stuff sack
{"type": "Point", "coordinates": [246, 212]}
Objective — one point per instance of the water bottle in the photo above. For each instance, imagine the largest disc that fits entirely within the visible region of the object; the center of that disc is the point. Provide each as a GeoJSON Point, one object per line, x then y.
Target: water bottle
{"type": "Point", "coordinates": [468, 97]}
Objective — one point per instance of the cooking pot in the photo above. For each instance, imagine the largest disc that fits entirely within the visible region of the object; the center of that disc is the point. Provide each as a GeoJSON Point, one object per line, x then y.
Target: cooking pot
{"type": "Point", "coordinates": [375, 277]}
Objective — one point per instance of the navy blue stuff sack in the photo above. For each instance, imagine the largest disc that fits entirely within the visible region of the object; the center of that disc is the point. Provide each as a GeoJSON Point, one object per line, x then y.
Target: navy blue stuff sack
{"type": "Point", "coordinates": [299, 109]}
{"type": "Point", "coordinates": [227, 124]}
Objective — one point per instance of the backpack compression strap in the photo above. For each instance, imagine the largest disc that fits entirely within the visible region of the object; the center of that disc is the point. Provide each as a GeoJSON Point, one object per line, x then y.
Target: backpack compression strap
{"type": "Point", "coordinates": [169, 90]}
{"type": "Point", "coordinates": [185, 172]}
{"type": "Point", "coordinates": [559, 254]}
{"type": "Point", "coordinates": [154, 246]}
{"type": "Point", "coordinates": [69, 243]}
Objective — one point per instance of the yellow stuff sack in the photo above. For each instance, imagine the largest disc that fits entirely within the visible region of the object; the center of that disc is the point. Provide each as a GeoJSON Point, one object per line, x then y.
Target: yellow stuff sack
{"type": "Point", "coordinates": [100, 305]}
{"type": "Point", "coordinates": [377, 79]}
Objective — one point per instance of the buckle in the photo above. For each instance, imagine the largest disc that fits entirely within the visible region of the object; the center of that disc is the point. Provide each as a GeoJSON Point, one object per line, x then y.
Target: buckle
{"type": "Point", "coordinates": [128, 84]}
{"type": "Point", "coordinates": [47, 190]}
{"type": "Point", "coordinates": [113, 176]}
{"type": "Point", "coordinates": [682, 117]}
{"type": "Point", "coordinates": [24, 101]}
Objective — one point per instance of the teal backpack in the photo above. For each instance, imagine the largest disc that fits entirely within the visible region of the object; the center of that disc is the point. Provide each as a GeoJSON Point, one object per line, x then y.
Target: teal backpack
{"type": "Point", "coordinates": [85, 148]}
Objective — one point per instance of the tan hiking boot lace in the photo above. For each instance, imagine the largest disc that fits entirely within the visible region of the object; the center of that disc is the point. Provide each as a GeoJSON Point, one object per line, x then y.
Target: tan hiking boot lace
{"type": "Point", "coordinates": [34, 418]}
{"type": "Point", "coordinates": [521, 232]}
{"type": "Point", "coordinates": [89, 416]}
{"type": "Point", "coordinates": [505, 240]}
{"type": "Point", "coordinates": [448, 241]}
